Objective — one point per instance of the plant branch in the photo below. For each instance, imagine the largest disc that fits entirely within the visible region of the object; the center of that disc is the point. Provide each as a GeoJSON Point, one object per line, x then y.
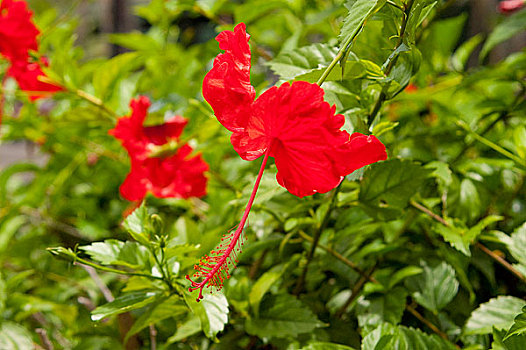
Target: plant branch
{"type": "Point", "coordinates": [501, 261]}
{"type": "Point", "coordinates": [355, 291]}
{"type": "Point", "coordinates": [492, 145]}
{"type": "Point", "coordinates": [425, 321]}
{"type": "Point", "coordinates": [390, 65]}
{"type": "Point", "coordinates": [95, 101]}
{"type": "Point", "coordinates": [479, 245]}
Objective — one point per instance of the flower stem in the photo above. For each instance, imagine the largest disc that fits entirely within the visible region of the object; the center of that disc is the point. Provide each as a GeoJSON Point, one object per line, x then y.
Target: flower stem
{"type": "Point", "coordinates": [212, 272]}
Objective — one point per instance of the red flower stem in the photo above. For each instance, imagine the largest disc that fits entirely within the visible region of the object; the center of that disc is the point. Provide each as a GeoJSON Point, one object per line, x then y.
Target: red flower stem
{"type": "Point", "coordinates": [235, 237]}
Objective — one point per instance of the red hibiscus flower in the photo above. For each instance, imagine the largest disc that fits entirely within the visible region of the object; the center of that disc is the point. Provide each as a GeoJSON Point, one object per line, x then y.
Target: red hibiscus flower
{"type": "Point", "coordinates": [174, 173]}
{"type": "Point", "coordinates": [510, 6]}
{"type": "Point", "coordinates": [30, 78]}
{"type": "Point", "coordinates": [17, 31]}
{"type": "Point", "coordinates": [291, 123]}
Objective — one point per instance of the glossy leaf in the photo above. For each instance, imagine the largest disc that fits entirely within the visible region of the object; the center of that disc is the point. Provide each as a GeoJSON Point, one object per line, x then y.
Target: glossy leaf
{"type": "Point", "coordinates": [497, 312]}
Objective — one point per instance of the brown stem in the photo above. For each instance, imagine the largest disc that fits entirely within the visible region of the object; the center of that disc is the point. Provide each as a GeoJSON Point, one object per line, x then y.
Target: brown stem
{"type": "Point", "coordinates": [425, 321]}
{"type": "Point", "coordinates": [355, 292]}
{"type": "Point", "coordinates": [482, 247]}
{"type": "Point", "coordinates": [44, 339]}
{"type": "Point", "coordinates": [153, 337]}
{"type": "Point", "coordinates": [125, 320]}
{"type": "Point", "coordinates": [501, 261]}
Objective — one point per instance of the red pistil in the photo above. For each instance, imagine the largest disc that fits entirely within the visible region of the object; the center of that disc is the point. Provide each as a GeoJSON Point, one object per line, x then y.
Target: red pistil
{"type": "Point", "coordinates": [215, 267]}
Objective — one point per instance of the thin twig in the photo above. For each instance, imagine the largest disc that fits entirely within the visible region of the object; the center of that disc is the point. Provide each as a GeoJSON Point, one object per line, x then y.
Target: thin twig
{"type": "Point", "coordinates": [390, 65]}
{"type": "Point", "coordinates": [44, 339]}
{"type": "Point", "coordinates": [501, 261]}
{"type": "Point", "coordinates": [153, 337]}
{"type": "Point", "coordinates": [482, 247]}
{"type": "Point", "coordinates": [99, 283]}
{"type": "Point", "coordinates": [425, 321]}
{"type": "Point", "coordinates": [355, 292]}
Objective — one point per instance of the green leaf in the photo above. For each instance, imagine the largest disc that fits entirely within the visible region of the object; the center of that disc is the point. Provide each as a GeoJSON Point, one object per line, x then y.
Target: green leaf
{"type": "Point", "coordinates": [290, 64]}
{"type": "Point", "coordinates": [419, 12]}
{"type": "Point", "coordinates": [435, 288]}
{"type": "Point", "coordinates": [461, 237]}
{"type": "Point", "coordinates": [383, 127]}
{"type": "Point", "coordinates": [108, 73]}
{"type": "Point", "coordinates": [359, 12]}
{"type": "Point", "coordinates": [212, 312]}
{"type": "Point", "coordinates": [517, 244]}
{"type": "Point", "coordinates": [388, 336]}
{"type": "Point", "coordinates": [8, 229]}
{"type": "Point", "coordinates": [137, 224]}
{"type": "Point", "coordinates": [326, 346]}
{"type": "Point", "coordinates": [123, 303]}
{"type": "Point", "coordinates": [377, 309]}
{"type": "Point", "coordinates": [461, 56]}
{"type": "Point", "coordinates": [190, 327]}
{"type": "Point", "coordinates": [402, 274]}
{"type": "Point", "coordinates": [519, 325]}
{"type": "Point", "coordinates": [387, 187]}
{"type": "Point", "coordinates": [498, 312]}
{"type": "Point", "coordinates": [282, 316]}
{"type": "Point", "coordinates": [14, 337]}
{"type": "Point", "coordinates": [163, 309]}
{"type": "Point", "coordinates": [262, 286]}
{"type": "Point", "coordinates": [135, 41]}
{"type": "Point", "coordinates": [515, 342]}
{"type": "Point", "coordinates": [441, 172]}
{"type": "Point", "coordinates": [510, 26]}
{"type": "Point", "coordinates": [114, 252]}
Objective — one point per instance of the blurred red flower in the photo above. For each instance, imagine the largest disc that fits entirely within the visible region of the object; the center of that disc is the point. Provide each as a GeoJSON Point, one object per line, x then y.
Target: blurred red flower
{"type": "Point", "coordinates": [18, 35]}
{"type": "Point", "coordinates": [510, 6]}
{"type": "Point", "coordinates": [172, 173]}
{"type": "Point", "coordinates": [27, 75]}
{"type": "Point", "coordinates": [17, 31]}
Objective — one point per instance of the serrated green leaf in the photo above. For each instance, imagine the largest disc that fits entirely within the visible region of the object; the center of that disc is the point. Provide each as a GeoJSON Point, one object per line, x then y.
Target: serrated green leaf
{"type": "Point", "coordinates": [281, 316]}
{"type": "Point", "coordinates": [505, 30]}
{"type": "Point", "coordinates": [14, 337]}
{"type": "Point", "coordinates": [293, 63]}
{"type": "Point", "coordinates": [519, 325]}
{"type": "Point", "coordinates": [388, 336]}
{"type": "Point", "coordinates": [461, 237]}
{"type": "Point", "coordinates": [462, 54]}
{"type": "Point", "coordinates": [387, 187]}
{"type": "Point", "coordinates": [441, 172]}
{"type": "Point", "coordinates": [123, 303]}
{"type": "Point", "coordinates": [114, 252]}
{"type": "Point", "coordinates": [137, 224]}
{"type": "Point", "coordinates": [359, 12]}
{"type": "Point", "coordinates": [517, 244]}
{"type": "Point", "coordinates": [515, 342]}
{"type": "Point", "coordinates": [212, 312]}
{"type": "Point", "coordinates": [497, 312]}
{"type": "Point", "coordinates": [435, 288]}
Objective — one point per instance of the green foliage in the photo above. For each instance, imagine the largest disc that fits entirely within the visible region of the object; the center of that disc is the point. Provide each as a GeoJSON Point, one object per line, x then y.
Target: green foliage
{"type": "Point", "coordinates": [426, 250]}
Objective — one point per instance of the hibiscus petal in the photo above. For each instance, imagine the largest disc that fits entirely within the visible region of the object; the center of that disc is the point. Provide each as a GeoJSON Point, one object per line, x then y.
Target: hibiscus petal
{"type": "Point", "coordinates": [227, 86]}
{"type": "Point", "coordinates": [17, 31]}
